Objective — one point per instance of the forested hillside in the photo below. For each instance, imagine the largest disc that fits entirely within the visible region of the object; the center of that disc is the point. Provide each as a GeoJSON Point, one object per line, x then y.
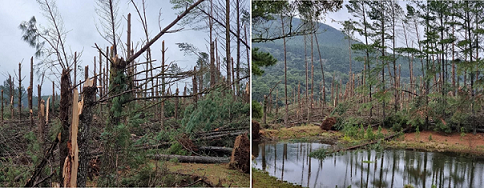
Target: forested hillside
{"type": "Point", "coordinates": [333, 44]}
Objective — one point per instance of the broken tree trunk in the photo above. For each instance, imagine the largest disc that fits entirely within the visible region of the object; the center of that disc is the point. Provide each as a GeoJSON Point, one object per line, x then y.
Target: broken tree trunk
{"type": "Point", "coordinates": [64, 118]}
{"type": "Point", "coordinates": [71, 163]}
{"type": "Point", "coordinates": [191, 159]}
{"type": "Point", "coordinates": [19, 91]}
{"type": "Point", "coordinates": [30, 92]}
{"type": "Point", "coordinates": [1, 115]}
{"type": "Point", "coordinates": [87, 103]}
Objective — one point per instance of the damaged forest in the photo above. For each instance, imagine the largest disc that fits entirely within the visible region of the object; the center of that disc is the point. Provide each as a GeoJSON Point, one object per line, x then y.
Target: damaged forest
{"type": "Point", "coordinates": [126, 116]}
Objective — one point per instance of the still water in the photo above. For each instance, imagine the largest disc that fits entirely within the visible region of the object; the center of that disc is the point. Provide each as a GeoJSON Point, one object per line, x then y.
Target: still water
{"type": "Point", "coordinates": [387, 168]}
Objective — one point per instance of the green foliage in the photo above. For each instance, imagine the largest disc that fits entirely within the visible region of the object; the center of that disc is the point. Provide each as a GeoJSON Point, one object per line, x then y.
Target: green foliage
{"type": "Point", "coordinates": [54, 129]}
{"type": "Point", "coordinates": [319, 153]}
{"type": "Point", "coordinates": [379, 134]}
{"type": "Point", "coordinates": [177, 149]}
{"type": "Point", "coordinates": [408, 186]}
{"type": "Point", "coordinates": [350, 130]}
{"type": "Point", "coordinates": [361, 134]}
{"type": "Point", "coordinates": [216, 109]}
{"type": "Point", "coordinates": [430, 137]}
{"type": "Point", "coordinates": [261, 59]}
{"type": "Point", "coordinates": [33, 149]}
{"type": "Point", "coordinates": [256, 110]}
{"type": "Point", "coordinates": [398, 118]}
{"type": "Point", "coordinates": [369, 133]}
{"type": "Point", "coordinates": [462, 133]}
{"type": "Point", "coordinates": [10, 171]}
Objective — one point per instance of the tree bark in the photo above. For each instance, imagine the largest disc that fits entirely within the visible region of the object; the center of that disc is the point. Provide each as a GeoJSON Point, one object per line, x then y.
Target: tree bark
{"type": "Point", "coordinates": [88, 102]}
{"type": "Point", "coordinates": [191, 159]}
{"type": "Point", "coordinates": [19, 91]}
{"type": "Point", "coordinates": [227, 40]}
{"type": "Point", "coordinates": [65, 101]}
{"type": "Point", "coordinates": [30, 92]}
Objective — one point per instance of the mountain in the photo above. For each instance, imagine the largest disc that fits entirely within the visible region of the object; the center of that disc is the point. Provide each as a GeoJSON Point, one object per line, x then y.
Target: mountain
{"type": "Point", "coordinates": [334, 52]}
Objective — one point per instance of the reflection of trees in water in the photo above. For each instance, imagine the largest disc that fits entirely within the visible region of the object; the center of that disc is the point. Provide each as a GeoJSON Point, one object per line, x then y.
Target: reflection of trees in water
{"type": "Point", "coordinates": [391, 168]}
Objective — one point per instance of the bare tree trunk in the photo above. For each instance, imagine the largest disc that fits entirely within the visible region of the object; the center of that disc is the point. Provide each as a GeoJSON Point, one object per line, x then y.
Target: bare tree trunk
{"type": "Point", "coordinates": [238, 48]}
{"type": "Point", "coordinates": [322, 72]}
{"type": "Point", "coordinates": [212, 47]}
{"type": "Point", "coordinates": [194, 84]}
{"type": "Point", "coordinates": [227, 40]}
{"type": "Point", "coordinates": [89, 98]}
{"type": "Point", "coordinates": [30, 92]}
{"type": "Point", "coordinates": [65, 101]}
{"type": "Point", "coordinates": [307, 73]}
{"type": "Point", "coordinates": [11, 97]}
{"type": "Point", "coordinates": [162, 110]}
{"type": "Point", "coordinates": [1, 115]}
{"type": "Point", "coordinates": [41, 116]}
{"type": "Point", "coordinates": [286, 123]}
{"type": "Point", "coordinates": [53, 99]}
{"type": "Point", "coordinates": [264, 117]}
{"type": "Point", "coordinates": [19, 91]}
{"type": "Point", "coordinates": [177, 101]}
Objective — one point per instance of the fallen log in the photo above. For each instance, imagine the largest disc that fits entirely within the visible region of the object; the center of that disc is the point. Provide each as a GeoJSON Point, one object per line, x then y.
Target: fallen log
{"type": "Point", "coordinates": [191, 159]}
{"type": "Point", "coordinates": [216, 149]}
{"type": "Point", "coordinates": [222, 135]}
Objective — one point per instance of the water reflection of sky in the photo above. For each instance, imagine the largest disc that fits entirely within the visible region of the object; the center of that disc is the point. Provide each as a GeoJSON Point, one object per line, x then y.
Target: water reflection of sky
{"type": "Point", "coordinates": [390, 168]}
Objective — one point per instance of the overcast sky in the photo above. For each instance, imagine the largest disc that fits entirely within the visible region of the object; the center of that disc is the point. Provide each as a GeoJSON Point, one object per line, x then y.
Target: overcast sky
{"type": "Point", "coordinates": [80, 20]}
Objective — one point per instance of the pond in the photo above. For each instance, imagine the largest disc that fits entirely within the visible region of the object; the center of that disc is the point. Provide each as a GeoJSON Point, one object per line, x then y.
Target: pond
{"type": "Point", "coordinates": [362, 168]}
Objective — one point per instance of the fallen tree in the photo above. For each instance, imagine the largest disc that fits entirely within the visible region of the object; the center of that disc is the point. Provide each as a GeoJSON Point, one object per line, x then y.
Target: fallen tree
{"type": "Point", "coordinates": [216, 149]}
{"type": "Point", "coordinates": [372, 142]}
{"type": "Point", "coordinates": [191, 159]}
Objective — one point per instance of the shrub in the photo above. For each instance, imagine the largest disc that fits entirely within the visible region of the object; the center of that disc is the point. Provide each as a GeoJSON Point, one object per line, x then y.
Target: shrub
{"type": "Point", "coordinates": [369, 133]}
{"type": "Point", "coordinates": [256, 110]}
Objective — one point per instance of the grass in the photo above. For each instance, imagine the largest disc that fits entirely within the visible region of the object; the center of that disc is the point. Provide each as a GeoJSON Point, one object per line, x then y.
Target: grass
{"type": "Point", "coordinates": [299, 132]}
{"type": "Point", "coordinates": [215, 173]}
{"type": "Point", "coordinates": [263, 179]}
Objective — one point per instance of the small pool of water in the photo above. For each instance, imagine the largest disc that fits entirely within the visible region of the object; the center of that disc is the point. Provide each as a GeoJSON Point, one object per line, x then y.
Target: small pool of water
{"type": "Point", "coordinates": [387, 168]}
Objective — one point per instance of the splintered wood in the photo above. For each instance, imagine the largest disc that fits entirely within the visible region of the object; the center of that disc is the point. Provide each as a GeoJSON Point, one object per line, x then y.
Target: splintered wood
{"type": "Point", "coordinates": [71, 163]}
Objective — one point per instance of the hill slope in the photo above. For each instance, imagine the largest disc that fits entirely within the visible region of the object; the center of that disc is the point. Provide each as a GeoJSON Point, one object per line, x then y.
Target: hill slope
{"type": "Point", "coordinates": [334, 52]}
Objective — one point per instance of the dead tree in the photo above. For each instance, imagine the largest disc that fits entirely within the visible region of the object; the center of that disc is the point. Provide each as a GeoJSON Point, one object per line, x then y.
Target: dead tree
{"type": "Point", "coordinates": [194, 85]}
{"type": "Point", "coordinates": [19, 91]}
{"type": "Point", "coordinates": [162, 111]}
{"type": "Point", "coordinates": [30, 90]}
{"type": "Point", "coordinates": [65, 101]}
{"type": "Point", "coordinates": [1, 115]}
{"type": "Point", "coordinates": [40, 114]}
{"type": "Point", "coordinates": [88, 102]}
{"type": "Point", "coordinates": [227, 40]}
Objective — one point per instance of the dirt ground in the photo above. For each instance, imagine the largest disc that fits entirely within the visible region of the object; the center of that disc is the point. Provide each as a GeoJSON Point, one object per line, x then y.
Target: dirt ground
{"type": "Point", "coordinates": [469, 140]}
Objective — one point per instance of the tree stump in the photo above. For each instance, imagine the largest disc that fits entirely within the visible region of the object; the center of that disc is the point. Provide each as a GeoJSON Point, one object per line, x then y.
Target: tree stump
{"type": "Point", "coordinates": [240, 158]}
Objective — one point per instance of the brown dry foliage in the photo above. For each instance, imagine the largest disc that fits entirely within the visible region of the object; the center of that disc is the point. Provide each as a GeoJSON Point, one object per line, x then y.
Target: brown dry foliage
{"type": "Point", "coordinates": [328, 123]}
